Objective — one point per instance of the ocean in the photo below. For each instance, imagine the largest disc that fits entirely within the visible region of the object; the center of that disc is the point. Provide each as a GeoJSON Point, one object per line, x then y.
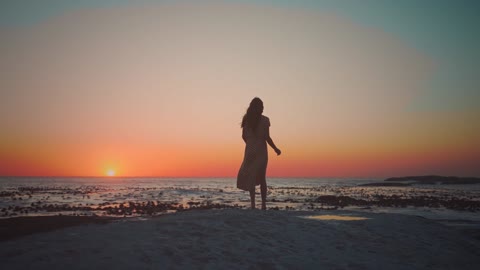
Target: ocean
{"type": "Point", "coordinates": [133, 197]}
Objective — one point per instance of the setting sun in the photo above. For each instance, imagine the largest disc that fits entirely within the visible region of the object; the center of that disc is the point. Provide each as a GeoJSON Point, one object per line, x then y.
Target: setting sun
{"type": "Point", "coordinates": [110, 172]}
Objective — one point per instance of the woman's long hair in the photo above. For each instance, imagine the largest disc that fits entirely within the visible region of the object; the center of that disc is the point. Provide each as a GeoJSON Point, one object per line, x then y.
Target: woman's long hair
{"type": "Point", "coordinates": [254, 111]}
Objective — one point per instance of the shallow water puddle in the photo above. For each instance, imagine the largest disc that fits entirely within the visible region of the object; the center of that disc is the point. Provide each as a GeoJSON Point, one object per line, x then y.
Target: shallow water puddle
{"type": "Point", "coordinates": [335, 217]}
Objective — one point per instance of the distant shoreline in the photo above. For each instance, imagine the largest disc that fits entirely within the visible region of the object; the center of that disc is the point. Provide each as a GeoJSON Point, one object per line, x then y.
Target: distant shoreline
{"type": "Point", "coordinates": [426, 180]}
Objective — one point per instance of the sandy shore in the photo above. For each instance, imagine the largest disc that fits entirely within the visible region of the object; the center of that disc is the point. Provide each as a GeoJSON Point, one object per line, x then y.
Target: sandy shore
{"type": "Point", "coordinates": [12, 228]}
{"type": "Point", "coordinates": [245, 239]}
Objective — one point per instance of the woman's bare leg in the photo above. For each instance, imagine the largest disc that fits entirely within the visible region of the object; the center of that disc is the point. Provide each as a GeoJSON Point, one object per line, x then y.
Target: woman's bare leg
{"type": "Point", "coordinates": [252, 197]}
{"type": "Point", "coordinates": [263, 190]}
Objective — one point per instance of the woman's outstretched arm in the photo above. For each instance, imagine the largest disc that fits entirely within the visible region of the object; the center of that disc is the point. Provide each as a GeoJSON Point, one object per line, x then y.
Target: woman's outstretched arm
{"type": "Point", "coordinates": [271, 143]}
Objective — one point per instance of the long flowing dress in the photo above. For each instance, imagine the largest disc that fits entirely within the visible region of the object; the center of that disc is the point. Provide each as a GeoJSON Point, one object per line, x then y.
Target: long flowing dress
{"type": "Point", "coordinates": [254, 166]}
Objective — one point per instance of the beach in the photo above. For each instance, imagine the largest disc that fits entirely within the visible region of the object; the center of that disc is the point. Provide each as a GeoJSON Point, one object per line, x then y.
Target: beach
{"type": "Point", "coordinates": [163, 223]}
{"type": "Point", "coordinates": [248, 239]}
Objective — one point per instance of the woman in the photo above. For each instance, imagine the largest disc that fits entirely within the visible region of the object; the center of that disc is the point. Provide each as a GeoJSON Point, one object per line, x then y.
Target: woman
{"type": "Point", "coordinates": [256, 134]}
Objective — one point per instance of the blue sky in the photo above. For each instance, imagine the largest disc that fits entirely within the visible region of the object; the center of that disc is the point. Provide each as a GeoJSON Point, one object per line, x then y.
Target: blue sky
{"type": "Point", "coordinates": [445, 30]}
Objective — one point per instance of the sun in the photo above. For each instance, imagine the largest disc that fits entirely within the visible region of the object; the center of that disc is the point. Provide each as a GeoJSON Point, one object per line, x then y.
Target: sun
{"type": "Point", "coordinates": [110, 172]}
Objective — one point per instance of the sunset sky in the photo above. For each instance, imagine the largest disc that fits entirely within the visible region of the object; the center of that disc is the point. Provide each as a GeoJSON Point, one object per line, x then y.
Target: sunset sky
{"type": "Point", "coordinates": [158, 88]}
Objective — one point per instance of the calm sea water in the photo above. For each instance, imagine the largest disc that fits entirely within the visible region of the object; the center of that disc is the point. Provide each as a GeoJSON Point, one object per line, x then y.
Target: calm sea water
{"type": "Point", "coordinates": [104, 196]}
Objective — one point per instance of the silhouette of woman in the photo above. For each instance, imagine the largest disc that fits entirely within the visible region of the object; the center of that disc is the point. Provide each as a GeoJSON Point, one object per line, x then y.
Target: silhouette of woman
{"type": "Point", "coordinates": [256, 134]}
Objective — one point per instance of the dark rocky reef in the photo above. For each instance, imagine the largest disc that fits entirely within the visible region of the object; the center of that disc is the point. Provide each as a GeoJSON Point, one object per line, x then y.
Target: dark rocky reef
{"type": "Point", "coordinates": [383, 184]}
{"type": "Point", "coordinates": [120, 209]}
{"type": "Point", "coordinates": [435, 179]}
{"type": "Point", "coordinates": [400, 201]}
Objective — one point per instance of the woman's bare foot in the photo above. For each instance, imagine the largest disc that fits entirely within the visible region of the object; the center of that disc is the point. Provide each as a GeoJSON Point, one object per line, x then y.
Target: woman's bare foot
{"type": "Point", "coordinates": [264, 206]}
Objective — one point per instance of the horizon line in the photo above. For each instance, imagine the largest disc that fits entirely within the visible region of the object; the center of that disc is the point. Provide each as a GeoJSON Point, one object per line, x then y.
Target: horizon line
{"type": "Point", "coordinates": [199, 177]}
{"type": "Point", "coordinates": [166, 176]}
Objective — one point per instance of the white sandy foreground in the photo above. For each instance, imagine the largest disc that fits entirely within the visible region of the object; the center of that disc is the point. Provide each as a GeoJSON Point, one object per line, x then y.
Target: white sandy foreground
{"type": "Point", "coordinates": [246, 239]}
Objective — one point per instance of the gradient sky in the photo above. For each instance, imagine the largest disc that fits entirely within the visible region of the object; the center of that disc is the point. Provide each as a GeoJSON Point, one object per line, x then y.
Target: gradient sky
{"type": "Point", "coordinates": [158, 88]}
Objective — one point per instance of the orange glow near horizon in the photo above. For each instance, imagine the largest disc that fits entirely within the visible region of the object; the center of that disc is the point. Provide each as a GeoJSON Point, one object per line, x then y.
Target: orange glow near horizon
{"type": "Point", "coordinates": [224, 162]}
